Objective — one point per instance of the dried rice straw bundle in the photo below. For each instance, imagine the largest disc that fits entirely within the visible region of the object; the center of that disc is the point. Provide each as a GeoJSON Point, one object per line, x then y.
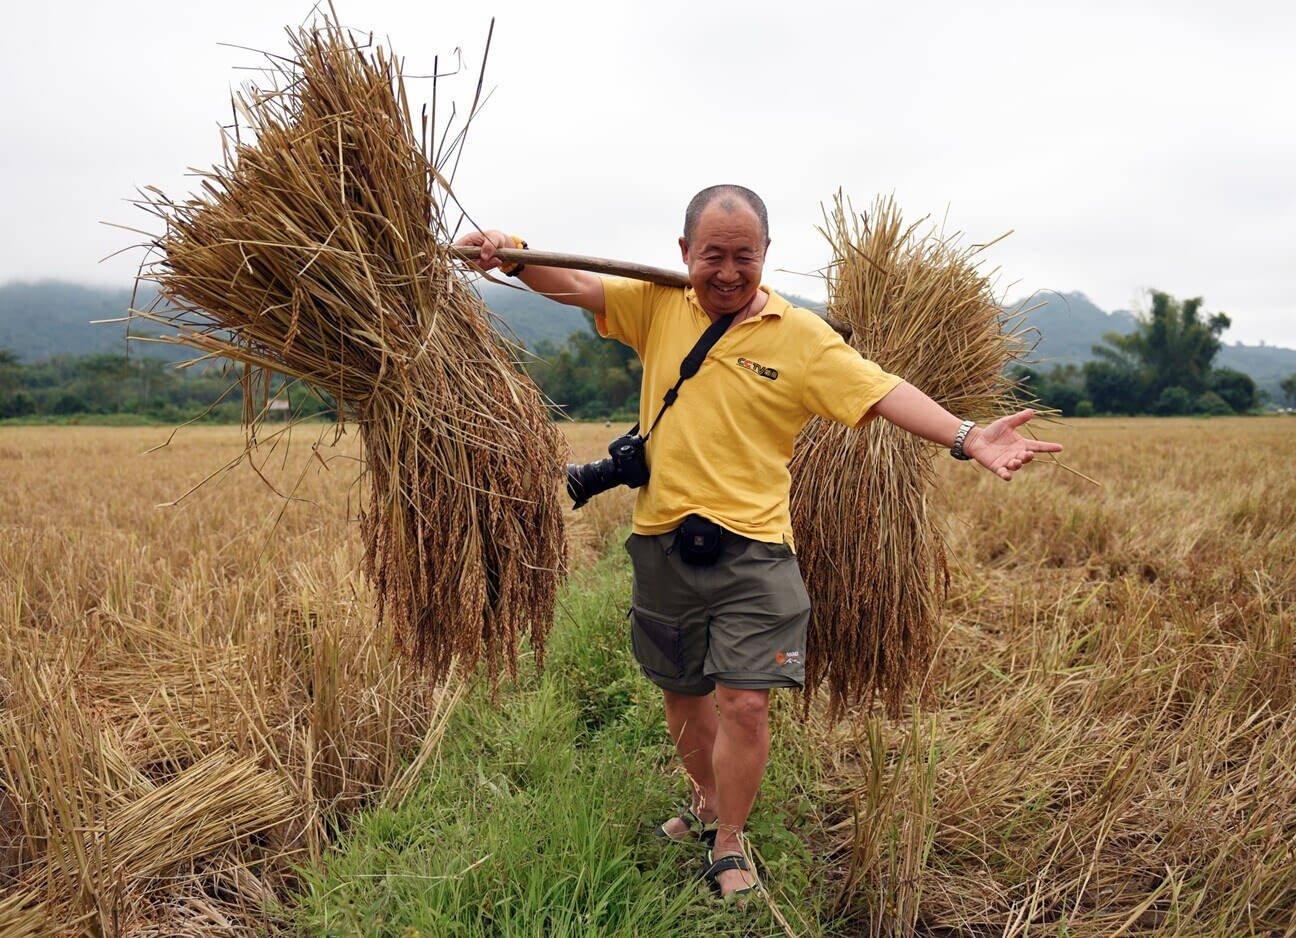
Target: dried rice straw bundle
{"type": "Point", "coordinates": [869, 549]}
{"type": "Point", "coordinates": [318, 251]}
{"type": "Point", "coordinates": [23, 915]}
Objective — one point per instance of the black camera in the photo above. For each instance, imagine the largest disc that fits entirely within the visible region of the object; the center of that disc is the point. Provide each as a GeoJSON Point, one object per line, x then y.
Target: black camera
{"type": "Point", "coordinates": [625, 465]}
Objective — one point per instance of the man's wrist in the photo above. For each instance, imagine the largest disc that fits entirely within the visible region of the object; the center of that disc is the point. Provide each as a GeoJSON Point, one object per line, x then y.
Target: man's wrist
{"type": "Point", "coordinates": [957, 449]}
{"type": "Point", "coordinates": [512, 270]}
{"type": "Point", "coordinates": [972, 443]}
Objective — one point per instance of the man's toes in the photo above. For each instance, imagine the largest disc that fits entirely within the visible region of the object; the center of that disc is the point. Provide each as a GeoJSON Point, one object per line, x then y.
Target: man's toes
{"type": "Point", "coordinates": [731, 880]}
{"type": "Point", "coordinates": [676, 829]}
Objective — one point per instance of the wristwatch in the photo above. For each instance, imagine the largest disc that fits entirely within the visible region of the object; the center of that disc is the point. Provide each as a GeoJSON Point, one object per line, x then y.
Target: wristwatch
{"type": "Point", "coordinates": [957, 449]}
{"type": "Point", "coordinates": [514, 269]}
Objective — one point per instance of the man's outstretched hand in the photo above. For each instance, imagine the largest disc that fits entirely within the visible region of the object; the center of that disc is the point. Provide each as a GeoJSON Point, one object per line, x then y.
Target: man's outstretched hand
{"type": "Point", "coordinates": [1002, 450]}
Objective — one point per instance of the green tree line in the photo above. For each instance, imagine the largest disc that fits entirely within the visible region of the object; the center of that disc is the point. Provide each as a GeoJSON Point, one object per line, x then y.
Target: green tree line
{"type": "Point", "coordinates": [105, 384]}
{"type": "Point", "coordinates": [588, 377]}
{"type": "Point", "coordinates": [1165, 366]}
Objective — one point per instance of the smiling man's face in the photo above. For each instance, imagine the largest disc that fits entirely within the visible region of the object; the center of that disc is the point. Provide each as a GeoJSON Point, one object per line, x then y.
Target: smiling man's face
{"type": "Point", "coordinates": [725, 256]}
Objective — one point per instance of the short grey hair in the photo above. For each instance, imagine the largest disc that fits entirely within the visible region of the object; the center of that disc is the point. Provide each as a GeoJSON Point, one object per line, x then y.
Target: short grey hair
{"type": "Point", "coordinates": [729, 195]}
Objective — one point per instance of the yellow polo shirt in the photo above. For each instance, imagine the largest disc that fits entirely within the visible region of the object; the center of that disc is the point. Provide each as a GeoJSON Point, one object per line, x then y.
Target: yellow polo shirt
{"type": "Point", "coordinates": [722, 449]}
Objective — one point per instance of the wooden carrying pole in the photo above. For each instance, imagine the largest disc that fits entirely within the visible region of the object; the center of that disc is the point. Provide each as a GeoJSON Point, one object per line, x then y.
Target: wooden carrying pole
{"type": "Point", "coordinates": [601, 265]}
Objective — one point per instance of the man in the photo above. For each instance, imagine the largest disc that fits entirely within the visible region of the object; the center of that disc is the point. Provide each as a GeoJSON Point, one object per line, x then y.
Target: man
{"type": "Point", "coordinates": [734, 629]}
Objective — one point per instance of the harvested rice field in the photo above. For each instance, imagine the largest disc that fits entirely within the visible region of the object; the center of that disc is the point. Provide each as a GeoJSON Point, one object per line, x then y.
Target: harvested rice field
{"type": "Point", "coordinates": [203, 729]}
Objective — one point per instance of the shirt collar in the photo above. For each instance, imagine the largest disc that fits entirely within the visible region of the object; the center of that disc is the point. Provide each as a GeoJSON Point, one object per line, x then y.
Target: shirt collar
{"type": "Point", "coordinates": [775, 305]}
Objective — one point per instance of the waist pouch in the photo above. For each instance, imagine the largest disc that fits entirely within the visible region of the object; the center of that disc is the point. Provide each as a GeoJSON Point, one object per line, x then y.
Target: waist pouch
{"type": "Point", "coordinates": [699, 541]}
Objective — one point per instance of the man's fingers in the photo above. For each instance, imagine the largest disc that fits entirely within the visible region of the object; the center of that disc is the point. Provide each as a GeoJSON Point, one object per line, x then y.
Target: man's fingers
{"type": "Point", "coordinates": [480, 239]}
{"type": "Point", "coordinates": [1019, 418]}
{"type": "Point", "coordinates": [1039, 446]}
{"type": "Point", "coordinates": [489, 242]}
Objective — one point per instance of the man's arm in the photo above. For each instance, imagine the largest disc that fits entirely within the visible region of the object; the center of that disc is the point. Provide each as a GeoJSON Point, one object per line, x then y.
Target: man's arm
{"type": "Point", "coordinates": [573, 287]}
{"type": "Point", "coordinates": [998, 447]}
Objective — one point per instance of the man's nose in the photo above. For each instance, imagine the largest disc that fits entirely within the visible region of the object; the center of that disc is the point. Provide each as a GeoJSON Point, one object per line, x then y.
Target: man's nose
{"type": "Point", "coordinates": [728, 271]}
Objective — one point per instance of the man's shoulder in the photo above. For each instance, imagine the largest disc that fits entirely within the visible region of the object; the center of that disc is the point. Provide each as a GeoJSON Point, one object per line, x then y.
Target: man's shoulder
{"type": "Point", "coordinates": [635, 304]}
{"type": "Point", "coordinates": [803, 324]}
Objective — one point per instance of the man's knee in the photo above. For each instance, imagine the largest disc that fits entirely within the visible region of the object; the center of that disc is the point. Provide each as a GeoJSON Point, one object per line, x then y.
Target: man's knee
{"type": "Point", "coordinates": [748, 709]}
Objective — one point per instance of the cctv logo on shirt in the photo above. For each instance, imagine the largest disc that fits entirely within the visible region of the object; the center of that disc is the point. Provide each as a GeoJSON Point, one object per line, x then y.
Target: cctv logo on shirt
{"type": "Point", "coordinates": [758, 368]}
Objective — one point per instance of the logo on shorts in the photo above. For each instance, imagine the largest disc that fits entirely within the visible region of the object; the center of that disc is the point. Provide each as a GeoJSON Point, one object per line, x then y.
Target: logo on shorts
{"type": "Point", "coordinates": [758, 368]}
{"type": "Point", "coordinates": [787, 657]}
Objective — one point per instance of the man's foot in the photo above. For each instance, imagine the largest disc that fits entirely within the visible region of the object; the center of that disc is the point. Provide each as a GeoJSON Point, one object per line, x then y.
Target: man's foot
{"type": "Point", "coordinates": [731, 877]}
{"type": "Point", "coordinates": [730, 872]}
{"type": "Point", "coordinates": [690, 824]}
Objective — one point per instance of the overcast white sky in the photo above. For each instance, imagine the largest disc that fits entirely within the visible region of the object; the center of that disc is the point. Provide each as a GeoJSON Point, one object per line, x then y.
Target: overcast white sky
{"type": "Point", "coordinates": [1128, 144]}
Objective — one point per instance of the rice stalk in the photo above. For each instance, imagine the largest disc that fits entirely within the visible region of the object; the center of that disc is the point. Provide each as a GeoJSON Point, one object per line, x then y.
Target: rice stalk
{"type": "Point", "coordinates": [23, 915]}
{"type": "Point", "coordinates": [869, 548]}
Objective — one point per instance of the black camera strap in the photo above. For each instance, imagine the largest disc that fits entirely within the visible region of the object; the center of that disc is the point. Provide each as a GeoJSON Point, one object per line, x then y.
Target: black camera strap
{"type": "Point", "coordinates": [690, 365]}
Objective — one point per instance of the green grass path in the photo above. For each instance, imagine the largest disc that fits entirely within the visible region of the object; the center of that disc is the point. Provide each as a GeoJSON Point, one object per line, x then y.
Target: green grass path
{"type": "Point", "coordinates": [535, 817]}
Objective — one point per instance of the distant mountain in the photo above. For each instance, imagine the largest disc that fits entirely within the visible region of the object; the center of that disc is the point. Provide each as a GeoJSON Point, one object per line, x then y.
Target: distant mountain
{"type": "Point", "coordinates": [531, 317]}
{"type": "Point", "coordinates": [45, 318]}
{"type": "Point", "coordinates": [1070, 325]}
{"type": "Point", "coordinates": [51, 317]}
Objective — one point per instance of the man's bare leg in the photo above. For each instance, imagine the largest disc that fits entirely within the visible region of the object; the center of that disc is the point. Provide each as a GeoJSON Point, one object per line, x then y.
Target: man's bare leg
{"type": "Point", "coordinates": [692, 722]}
{"type": "Point", "coordinates": [741, 750]}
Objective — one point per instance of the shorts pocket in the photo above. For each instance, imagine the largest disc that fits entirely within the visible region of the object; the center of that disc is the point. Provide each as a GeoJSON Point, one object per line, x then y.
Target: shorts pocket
{"type": "Point", "coordinates": [772, 551]}
{"type": "Point", "coordinates": [658, 645]}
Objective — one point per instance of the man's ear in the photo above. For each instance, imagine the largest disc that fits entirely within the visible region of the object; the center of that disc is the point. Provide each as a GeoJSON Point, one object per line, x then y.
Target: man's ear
{"type": "Point", "coordinates": [684, 250]}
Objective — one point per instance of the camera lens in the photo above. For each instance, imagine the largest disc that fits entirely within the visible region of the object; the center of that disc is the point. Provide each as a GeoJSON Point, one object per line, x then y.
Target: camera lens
{"type": "Point", "coordinates": [584, 482]}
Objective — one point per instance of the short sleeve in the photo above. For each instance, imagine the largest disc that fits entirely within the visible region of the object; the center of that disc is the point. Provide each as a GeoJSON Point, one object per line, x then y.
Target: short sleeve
{"type": "Point", "coordinates": [626, 311]}
{"type": "Point", "coordinates": [842, 385]}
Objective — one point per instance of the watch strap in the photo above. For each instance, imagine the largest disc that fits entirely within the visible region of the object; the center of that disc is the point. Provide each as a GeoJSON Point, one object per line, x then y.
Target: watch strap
{"type": "Point", "coordinates": [964, 429]}
{"type": "Point", "coordinates": [514, 269]}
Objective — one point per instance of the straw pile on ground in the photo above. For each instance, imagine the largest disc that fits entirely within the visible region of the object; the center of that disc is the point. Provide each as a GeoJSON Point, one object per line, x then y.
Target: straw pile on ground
{"type": "Point", "coordinates": [869, 548]}
{"type": "Point", "coordinates": [189, 708]}
{"type": "Point", "coordinates": [317, 251]}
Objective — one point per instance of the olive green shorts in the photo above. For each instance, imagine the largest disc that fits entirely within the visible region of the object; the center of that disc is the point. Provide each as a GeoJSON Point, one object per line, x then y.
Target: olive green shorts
{"type": "Point", "coordinates": [740, 623]}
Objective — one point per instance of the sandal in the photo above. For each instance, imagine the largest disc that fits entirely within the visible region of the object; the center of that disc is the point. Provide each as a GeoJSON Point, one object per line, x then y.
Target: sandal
{"type": "Point", "coordinates": [695, 829]}
{"type": "Point", "coordinates": [734, 861]}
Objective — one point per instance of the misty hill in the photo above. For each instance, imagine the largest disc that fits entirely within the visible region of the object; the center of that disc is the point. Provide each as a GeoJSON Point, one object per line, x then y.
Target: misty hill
{"type": "Point", "coordinates": [50, 317]}
{"type": "Point", "coordinates": [53, 317]}
{"type": "Point", "coordinates": [1070, 325]}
